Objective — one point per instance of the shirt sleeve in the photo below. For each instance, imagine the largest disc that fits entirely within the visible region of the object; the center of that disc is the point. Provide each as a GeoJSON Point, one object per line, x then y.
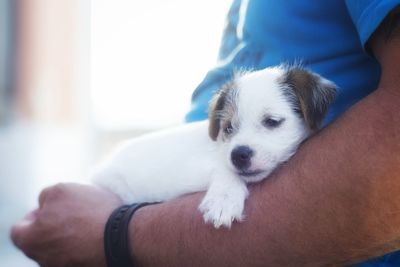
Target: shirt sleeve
{"type": "Point", "coordinates": [367, 15]}
{"type": "Point", "coordinates": [235, 54]}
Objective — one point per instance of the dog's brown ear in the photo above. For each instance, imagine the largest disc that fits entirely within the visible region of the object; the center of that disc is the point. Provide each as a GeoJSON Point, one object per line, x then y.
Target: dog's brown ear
{"type": "Point", "coordinates": [216, 108]}
{"type": "Point", "coordinates": [213, 118]}
{"type": "Point", "coordinates": [314, 94]}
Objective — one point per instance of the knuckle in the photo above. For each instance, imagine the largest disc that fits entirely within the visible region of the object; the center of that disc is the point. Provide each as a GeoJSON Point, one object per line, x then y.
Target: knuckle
{"type": "Point", "coordinates": [15, 236]}
{"type": "Point", "coordinates": [52, 192]}
{"type": "Point", "coordinates": [22, 242]}
{"type": "Point", "coordinates": [43, 195]}
{"type": "Point", "coordinates": [59, 188]}
{"type": "Point", "coordinates": [31, 254]}
{"type": "Point", "coordinates": [44, 192]}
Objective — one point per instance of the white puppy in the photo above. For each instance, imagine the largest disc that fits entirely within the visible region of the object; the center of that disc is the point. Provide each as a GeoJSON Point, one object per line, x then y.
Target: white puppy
{"type": "Point", "coordinates": [256, 122]}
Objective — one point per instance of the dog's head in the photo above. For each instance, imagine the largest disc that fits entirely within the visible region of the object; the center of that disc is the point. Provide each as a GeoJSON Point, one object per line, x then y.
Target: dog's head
{"type": "Point", "coordinates": [261, 117]}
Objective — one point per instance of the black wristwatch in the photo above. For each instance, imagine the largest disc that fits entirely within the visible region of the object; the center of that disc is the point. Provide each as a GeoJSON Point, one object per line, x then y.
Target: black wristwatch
{"type": "Point", "coordinates": [116, 242]}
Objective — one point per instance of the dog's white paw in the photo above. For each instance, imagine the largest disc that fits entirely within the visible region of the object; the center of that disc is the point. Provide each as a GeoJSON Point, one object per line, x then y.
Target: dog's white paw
{"type": "Point", "coordinates": [222, 209]}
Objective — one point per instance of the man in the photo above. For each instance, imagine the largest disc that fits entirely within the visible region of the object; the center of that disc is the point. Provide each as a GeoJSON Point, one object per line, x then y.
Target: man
{"type": "Point", "coordinates": [336, 202]}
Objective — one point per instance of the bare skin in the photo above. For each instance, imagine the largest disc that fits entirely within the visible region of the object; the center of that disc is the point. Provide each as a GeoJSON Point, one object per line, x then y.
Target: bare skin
{"type": "Point", "coordinates": [67, 228]}
{"type": "Point", "coordinates": [336, 202]}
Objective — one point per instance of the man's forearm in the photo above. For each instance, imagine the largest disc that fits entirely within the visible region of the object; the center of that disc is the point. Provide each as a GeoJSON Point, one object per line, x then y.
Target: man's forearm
{"type": "Point", "coordinates": [337, 201]}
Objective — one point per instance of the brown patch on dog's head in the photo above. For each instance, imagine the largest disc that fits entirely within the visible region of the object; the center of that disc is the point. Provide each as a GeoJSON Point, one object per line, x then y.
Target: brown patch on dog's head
{"type": "Point", "coordinates": [310, 94]}
{"type": "Point", "coordinates": [221, 108]}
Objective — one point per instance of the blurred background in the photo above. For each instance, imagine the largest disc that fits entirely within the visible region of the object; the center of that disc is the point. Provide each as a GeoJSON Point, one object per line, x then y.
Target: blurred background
{"type": "Point", "coordinates": [77, 76]}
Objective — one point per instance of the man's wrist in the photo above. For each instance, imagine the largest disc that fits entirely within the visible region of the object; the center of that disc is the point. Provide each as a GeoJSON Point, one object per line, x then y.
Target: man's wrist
{"type": "Point", "coordinates": [117, 241]}
{"type": "Point", "coordinates": [154, 231]}
{"type": "Point", "coordinates": [135, 235]}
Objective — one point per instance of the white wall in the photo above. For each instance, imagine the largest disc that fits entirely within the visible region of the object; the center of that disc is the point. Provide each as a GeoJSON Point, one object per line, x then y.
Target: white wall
{"type": "Point", "coordinates": [148, 57]}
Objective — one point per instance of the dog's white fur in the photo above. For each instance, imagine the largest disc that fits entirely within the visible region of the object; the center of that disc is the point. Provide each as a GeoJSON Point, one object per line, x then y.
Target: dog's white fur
{"type": "Point", "coordinates": [170, 163]}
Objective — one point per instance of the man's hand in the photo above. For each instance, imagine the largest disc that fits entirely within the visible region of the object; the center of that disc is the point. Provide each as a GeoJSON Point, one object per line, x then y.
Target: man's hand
{"type": "Point", "coordinates": [67, 228]}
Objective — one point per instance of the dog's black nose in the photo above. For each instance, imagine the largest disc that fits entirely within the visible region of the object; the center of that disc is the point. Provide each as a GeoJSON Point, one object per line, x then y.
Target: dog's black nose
{"type": "Point", "coordinates": [241, 157]}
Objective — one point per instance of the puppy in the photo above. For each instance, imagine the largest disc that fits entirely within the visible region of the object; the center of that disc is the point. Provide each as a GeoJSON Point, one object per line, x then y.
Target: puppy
{"type": "Point", "coordinates": [256, 122]}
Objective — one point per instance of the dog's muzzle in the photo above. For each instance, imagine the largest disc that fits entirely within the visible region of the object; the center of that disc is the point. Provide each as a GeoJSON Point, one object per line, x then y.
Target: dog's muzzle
{"type": "Point", "coordinates": [241, 157]}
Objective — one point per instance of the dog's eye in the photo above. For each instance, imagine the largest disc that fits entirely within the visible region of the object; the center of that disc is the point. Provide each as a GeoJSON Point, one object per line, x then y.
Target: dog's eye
{"type": "Point", "coordinates": [272, 123]}
{"type": "Point", "coordinates": [228, 129]}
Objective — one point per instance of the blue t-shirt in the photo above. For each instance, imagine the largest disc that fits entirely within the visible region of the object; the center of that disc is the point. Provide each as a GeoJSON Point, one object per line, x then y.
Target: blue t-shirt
{"type": "Point", "coordinates": [326, 36]}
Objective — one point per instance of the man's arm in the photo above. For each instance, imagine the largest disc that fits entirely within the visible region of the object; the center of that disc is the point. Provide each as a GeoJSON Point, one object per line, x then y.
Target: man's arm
{"type": "Point", "coordinates": [336, 202]}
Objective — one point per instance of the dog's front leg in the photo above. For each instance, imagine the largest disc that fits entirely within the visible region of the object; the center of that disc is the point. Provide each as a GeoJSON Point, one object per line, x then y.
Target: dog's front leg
{"type": "Point", "coordinates": [224, 200]}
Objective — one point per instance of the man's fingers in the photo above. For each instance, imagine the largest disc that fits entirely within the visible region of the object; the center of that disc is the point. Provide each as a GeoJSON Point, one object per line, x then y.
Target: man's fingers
{"type": "Point", "coordinates": [17, 234]}
{"type": "Point", "coordinates": [20, 232]}
{"type": "Point", "coordinates": [24, 235]}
